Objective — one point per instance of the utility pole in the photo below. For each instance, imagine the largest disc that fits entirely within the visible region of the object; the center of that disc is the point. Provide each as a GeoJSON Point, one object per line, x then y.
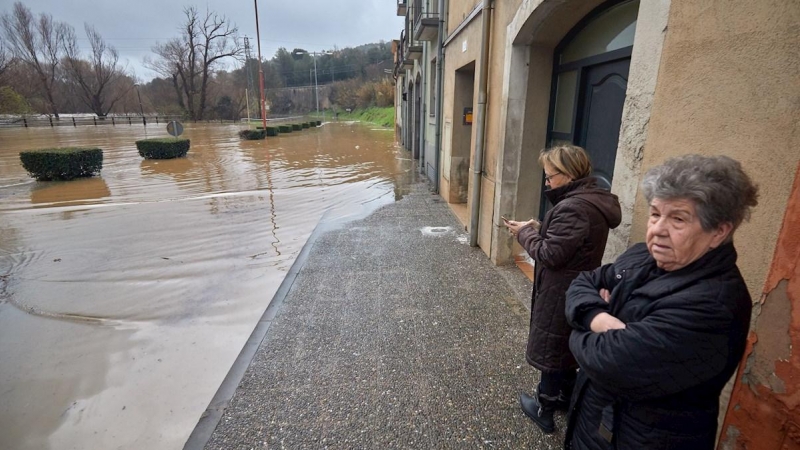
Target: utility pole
{"type": "Point", "coordinates": [248, 61]}
{"type": "Point", "coordinates": [316, 86]}
{"type": "Point", "coordinates": [260, 73]}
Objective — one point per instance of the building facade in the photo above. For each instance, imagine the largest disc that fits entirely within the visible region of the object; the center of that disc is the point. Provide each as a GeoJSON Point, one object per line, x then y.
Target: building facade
{"type": "Point", "coordinates": [634, 82]}
{"type": "Point", "coordinates": [415, 73]}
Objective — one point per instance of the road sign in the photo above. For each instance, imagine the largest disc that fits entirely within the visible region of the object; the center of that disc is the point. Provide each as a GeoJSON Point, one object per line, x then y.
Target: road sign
{"type": "Point", "coordinates": [175, 128]}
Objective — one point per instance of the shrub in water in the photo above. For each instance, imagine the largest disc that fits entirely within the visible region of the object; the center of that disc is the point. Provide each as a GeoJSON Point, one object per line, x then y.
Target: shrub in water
{"type": "Point", "coordinates": [285, 128]}
{"type": "Point", "coordinates": [62, 163]}
{"type": "Point", "coordinates": [253, 135]}
{"type": "Point", "coordinates": [163, 148]}
{"type": "Point", "coordinates": [297, 126]}
{"type": "Point", "coordinates": [272, 131]}
{"type": "Point", "coordinates": [304, 125]}
{"type": "Point", "coordinates": [319, 122]}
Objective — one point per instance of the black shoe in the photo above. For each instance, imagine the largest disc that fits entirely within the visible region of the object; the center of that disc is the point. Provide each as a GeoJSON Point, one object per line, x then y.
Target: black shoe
{"type": "Point", "coordinates": [540, 416]}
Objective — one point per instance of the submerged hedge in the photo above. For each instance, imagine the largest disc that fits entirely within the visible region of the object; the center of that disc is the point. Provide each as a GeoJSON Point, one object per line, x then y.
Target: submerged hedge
{"type": "Point", "coordinates": [253, 135]}
{"type": "Point", "coordinates": [163, 148]}
{"type": "Point", "coordinates": [296, 127]}
{"type": "Point", "coordinates": [62, 163]}
{"type": "Point", "coordinates": [305, 125]}
{"type": "Point", "coordinates": [285, 128]}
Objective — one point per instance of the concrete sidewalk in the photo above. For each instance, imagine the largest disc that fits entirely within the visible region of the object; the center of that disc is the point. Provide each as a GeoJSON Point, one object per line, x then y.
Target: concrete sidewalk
{"type": "Point", "coordinates": [392, 333]}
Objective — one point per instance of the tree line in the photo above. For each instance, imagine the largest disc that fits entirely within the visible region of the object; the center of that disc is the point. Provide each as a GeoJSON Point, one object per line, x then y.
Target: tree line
{"type": "Point", "coordinates": [206, 71]}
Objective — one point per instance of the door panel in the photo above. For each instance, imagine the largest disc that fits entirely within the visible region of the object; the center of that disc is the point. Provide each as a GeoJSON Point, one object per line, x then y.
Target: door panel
{"type": "Point", "coordinates": [603, 97]}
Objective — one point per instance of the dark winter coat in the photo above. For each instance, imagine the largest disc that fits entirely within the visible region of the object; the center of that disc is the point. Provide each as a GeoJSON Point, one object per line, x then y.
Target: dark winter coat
{"type": "Point", "coordinates": [656, 384]}
{"type": "Point", "coordinates": [572, 239]}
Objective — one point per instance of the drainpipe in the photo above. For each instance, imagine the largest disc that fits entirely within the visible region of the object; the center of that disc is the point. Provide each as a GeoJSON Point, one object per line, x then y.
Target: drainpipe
{"type": "Point", "coordinates": [423, 109]}
{"type": "Point", "coordinates": [480, 123]}
{"type": "Point", "coordinates": [439, 101]}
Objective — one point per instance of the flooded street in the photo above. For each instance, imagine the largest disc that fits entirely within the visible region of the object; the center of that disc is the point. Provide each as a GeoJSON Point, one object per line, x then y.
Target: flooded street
{"type": "Point", "coordinates": [125, 298]}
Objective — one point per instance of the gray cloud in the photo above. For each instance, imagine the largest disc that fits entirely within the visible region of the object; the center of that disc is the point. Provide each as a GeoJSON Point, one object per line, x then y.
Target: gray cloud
{"type": "Point", "coordinates": [133, 27]}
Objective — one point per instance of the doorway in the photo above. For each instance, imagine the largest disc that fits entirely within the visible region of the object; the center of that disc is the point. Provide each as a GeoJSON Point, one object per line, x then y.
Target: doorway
{"type": "Point", "coordinates": [590, 78]}
{"type": "Point", "coordinates": [461, 139]}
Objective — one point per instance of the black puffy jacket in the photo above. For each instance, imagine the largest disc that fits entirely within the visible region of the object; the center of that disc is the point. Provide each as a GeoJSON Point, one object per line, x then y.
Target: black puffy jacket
{"type": "Point", "coordinates": [572, 239]}
{"type": "Point", "coordinates": [656, 384]}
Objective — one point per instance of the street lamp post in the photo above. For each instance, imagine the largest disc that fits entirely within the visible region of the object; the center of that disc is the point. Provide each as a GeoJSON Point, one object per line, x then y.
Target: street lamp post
{"type": "Point", "coordinates": [316, 85]}
{"type": "Point", "coordinates": [141, 109]}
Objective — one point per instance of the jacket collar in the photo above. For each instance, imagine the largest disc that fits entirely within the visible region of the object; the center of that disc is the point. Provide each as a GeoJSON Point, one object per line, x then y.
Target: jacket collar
{"type": "Point", "coordinates": [560, 193]}
{"type": "Point", "coordinates": [717, 261]}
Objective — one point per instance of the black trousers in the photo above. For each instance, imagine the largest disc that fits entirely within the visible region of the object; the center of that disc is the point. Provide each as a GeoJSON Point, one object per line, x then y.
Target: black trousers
{"type": "Point", "coordinates": [555, 389]}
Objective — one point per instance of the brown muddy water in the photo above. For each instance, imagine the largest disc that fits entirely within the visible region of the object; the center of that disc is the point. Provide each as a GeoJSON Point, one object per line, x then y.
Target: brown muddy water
{"type": "Point", "coordinates": [125, 298]}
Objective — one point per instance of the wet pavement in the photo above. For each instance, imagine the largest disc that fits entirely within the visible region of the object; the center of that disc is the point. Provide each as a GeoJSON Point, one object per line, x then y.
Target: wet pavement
{"type": "Point", "coordinates": [395, 333]}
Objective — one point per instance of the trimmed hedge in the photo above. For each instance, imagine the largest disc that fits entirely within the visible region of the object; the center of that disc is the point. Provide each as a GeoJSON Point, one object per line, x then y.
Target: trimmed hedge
{"type": "Point", "coordinates": [285, 128]}
{"type": "Point", "coordinates": [305, 125]}
{"type": "Point", "coordinates": [62, 163]}
{"type": "Point", "coordinates": [253, 135]}
{"type": "Point", "coordinates": [163, 148]}
{"type": "Point", "coordinates": [272, 131]}
{"type": "Point", "coordinates": [319, 122]}
{"type": "Point", "coordinates": [296, 127]}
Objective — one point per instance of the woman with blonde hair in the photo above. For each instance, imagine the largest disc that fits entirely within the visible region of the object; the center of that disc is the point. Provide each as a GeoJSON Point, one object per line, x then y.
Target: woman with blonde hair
{"type": "Point", "coordinates": [571, 239]}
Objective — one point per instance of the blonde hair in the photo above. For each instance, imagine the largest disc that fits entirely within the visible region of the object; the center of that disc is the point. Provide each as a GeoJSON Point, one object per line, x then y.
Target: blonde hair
{"type": "Point", "coordinates": [570, 160]}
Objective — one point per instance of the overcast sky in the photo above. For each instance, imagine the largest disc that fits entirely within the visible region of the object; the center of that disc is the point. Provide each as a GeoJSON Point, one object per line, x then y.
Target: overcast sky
{"type": "Point", "coordinates": [134, 26]}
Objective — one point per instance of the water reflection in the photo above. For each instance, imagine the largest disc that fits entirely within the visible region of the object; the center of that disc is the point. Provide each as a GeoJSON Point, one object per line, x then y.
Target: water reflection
{"type": "Point", "coordinates": [149, 278]}
{"type": "Point", "coordinates": [178, 168]}
{"type": "Point", "coordinates": [76, 192]}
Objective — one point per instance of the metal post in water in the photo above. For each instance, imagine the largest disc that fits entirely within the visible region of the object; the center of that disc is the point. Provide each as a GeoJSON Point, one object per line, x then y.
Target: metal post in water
{"type": "Point", "coordinates": [141, 109]}
{"type": "Point", "coordinates": [260, 73]}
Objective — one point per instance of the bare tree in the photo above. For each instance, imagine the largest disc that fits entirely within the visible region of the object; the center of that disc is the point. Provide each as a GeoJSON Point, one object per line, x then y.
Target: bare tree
{"type": "Point", "coordinates": [191, 59]}
{"type": "Point", "coordinates": [39, 45]}
{"type": "Point", "coordinates": [101, 80]}
{"type": "Point", "coordinates": [6, 60]}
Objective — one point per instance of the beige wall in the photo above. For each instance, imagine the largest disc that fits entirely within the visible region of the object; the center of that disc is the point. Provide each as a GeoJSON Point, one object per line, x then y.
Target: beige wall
{"type": "Point", "coordinates": [457, 11]}
{"type": "Point", "coordinates": [729, 83]}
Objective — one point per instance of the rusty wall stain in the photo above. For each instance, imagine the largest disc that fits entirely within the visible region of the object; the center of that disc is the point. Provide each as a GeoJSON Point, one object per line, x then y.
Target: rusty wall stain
{"type": "Point", "coordinates": [774, 341]}
{"type": "Point", "coordinates": [765, 405]}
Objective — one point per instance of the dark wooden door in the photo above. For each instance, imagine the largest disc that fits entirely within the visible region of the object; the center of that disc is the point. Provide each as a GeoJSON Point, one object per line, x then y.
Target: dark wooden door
{"type": "Point", "coordinates": [600, 115]}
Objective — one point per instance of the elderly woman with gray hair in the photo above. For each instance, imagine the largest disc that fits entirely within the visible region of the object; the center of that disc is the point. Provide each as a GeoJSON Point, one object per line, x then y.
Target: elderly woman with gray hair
{"type": "Point", "coordinates": [659, 332]}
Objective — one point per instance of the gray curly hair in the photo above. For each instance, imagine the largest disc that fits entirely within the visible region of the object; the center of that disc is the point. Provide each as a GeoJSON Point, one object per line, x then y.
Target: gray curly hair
{"type": "Point", "coordinates": [721, 191]}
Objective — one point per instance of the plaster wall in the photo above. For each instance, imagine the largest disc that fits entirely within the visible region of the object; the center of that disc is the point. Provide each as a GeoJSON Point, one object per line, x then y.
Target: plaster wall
{"type": "Point", "coordinates": [729, 83]}
{"type": "Point", "coordinates": [457, 11]}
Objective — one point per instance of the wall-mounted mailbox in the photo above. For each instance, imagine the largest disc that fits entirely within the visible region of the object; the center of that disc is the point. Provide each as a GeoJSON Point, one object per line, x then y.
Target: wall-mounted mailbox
{"type": "Point", "coordinates": [468, 116]}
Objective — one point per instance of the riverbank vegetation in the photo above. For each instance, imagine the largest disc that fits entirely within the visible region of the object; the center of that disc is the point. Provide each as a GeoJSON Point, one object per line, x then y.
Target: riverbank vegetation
{"type": "Point", "coordinates": [43, 70]}
{"type": "Point", "coordinates": [379, 116]}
